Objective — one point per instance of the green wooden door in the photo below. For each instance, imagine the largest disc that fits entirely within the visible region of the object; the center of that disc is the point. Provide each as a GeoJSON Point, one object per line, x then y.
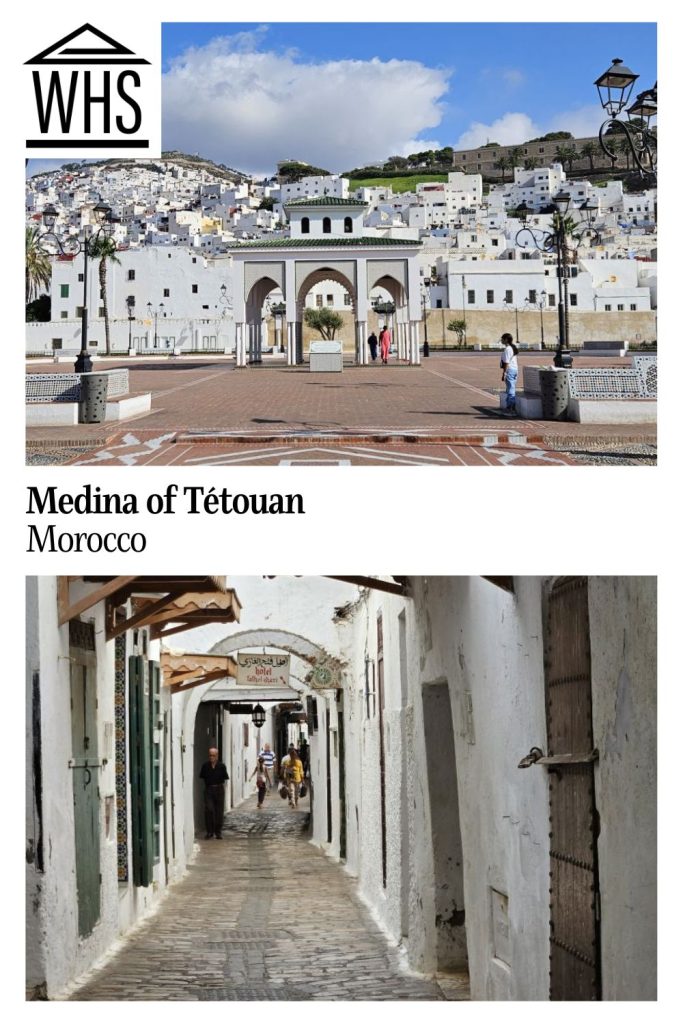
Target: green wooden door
{"type": "Point", "coordinates": [85, 780]}
{"type": "Point", "coordinates": [142, 808]}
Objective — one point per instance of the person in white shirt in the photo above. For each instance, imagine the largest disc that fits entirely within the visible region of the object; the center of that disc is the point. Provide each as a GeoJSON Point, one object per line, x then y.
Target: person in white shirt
{"type": "Point", "coordinates": [508, 363]}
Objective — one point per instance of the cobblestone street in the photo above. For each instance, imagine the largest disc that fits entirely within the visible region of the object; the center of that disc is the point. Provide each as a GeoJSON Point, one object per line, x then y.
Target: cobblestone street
{"type": "Point", "coordinates": [262, 915]}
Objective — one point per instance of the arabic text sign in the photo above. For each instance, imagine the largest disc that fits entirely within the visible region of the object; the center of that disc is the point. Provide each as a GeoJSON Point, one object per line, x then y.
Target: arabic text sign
{"type": "Point", "coordinates": [263, 670]}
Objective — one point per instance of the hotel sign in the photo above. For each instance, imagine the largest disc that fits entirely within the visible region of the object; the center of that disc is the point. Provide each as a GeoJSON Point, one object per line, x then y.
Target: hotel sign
{"type": "Point", "coordinates": [263, 670]}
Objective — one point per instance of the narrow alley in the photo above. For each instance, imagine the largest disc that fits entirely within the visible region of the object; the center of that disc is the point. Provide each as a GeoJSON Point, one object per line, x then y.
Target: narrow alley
{"type": "Point", "coordinates": [479, 756]}
{"type": "Point", "coordinates": [247, 935]}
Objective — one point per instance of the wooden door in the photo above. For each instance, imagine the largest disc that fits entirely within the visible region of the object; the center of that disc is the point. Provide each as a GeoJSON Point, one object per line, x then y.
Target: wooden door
{"type": "Point", "coordinates": [84, 769]}
{"type": "Point", "coordinates": [574, 892]}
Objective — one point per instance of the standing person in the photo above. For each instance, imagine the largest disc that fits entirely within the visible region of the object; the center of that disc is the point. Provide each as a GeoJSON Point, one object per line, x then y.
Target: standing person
{"type": "Point", "coordinates": [372, 345]}
{"type": "Point", "coordinates": [293, 774]}
{"type": "Point", "coordinates": [304, 753]}
{"type": "Point", "coordinates": [215, 775]}
{"type": "Point", "coordinates": [262, 778]}
{"type": "Point", "coordinates": [508, 363]}
{"type": "Point", "coordinates": [270, 762]}
{"type": "Point", "coordinates": [385, 343]}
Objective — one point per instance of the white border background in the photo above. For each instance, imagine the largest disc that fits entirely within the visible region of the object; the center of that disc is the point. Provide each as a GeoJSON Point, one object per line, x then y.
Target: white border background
{"type": "Point", "coordinates": [428, 521]}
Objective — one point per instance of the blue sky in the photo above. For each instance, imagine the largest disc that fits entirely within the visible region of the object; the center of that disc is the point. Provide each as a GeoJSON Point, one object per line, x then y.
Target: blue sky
{"type": "Point", "coordinates": [343, 94]}
{"type": "Point", "coordinates": [488, 70]}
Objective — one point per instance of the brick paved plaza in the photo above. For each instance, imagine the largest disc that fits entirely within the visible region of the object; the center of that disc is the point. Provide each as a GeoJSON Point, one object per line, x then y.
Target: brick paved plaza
{"type": "Point", "coordinates": [262, 915]}
{"type": "Point", "coordinates": [444, 412]}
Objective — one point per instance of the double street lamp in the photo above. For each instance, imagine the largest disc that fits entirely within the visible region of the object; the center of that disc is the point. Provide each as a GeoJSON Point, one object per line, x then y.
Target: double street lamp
{"type": "Point", "coordinates": [277, 310]}
{"type": "Point", "coordinates": [74, 246]}
{"type": "Point", "coordinates": [614, 89]}
{"type": "Point", "coordinates": [155, 314]}
{"type": "Point", "coordinates": [130, 303]}
{"type": "Point", "coordinates": [559, 242]}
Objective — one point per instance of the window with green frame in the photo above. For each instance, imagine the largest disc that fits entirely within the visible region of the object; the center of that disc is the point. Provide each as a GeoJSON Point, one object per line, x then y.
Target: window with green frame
{"type": "Point", "coordinates": [64, 291]}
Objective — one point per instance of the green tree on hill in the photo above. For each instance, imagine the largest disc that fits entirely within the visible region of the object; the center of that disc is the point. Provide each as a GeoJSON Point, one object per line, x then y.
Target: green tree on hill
{"type": "Point", "coordinates": [589, 151]}
{"type": "Point", "coordinates": [501, 164]}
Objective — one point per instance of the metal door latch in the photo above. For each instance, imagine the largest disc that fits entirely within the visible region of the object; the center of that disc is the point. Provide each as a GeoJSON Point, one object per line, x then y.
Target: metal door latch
{"type": "Point", "coordinates": [531, 758]}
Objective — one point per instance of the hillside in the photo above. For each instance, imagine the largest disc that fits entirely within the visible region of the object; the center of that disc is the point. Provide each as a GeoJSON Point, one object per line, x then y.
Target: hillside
{"type": "Point", "coordinates": [400, 183]}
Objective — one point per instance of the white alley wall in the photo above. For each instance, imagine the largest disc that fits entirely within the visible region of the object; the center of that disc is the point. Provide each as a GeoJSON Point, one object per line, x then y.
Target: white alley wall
{"type": "Point", "coordinates": [486, 644]}
{"type": "Point", "coordinates": [362, 757]}
{"type": "Point", "coordinates": [54, 945]}
{"type": "Point", "coordinates": [457, 637]}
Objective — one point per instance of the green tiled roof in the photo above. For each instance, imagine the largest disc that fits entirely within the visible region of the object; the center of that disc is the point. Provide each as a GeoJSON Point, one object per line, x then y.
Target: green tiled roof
{"type": "Point", "coordinates": [316, 243]}
{"type": "Point", "coordinates": [326, 201]}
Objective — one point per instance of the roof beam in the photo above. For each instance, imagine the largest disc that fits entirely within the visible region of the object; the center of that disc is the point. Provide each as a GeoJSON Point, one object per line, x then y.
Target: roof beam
{"type": "Point", "coordinates": [143, 617]}
{"type": "Point", "coordinates": [372, 583]}
{"type": "Point", "coordinates": [69, 611]}
{"type": "Point", "coordinates": [210, 677]}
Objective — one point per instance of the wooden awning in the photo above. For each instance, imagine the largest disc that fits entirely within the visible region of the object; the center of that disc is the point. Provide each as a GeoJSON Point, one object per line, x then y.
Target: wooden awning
{"type": "Point", "coordinates": [168, 604]}
{"type": "Point", "coordinates": [394, 585]}
{"type": "Point", "coordinates": [184, 671]}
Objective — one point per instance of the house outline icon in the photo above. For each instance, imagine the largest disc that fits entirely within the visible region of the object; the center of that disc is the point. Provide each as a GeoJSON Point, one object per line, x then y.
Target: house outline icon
{"type": "Point", "coordinates": [112, 53]}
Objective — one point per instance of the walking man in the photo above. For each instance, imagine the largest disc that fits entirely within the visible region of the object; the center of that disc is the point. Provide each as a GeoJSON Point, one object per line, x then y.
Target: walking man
{"type": "Point", "coordinates": [270, 762]}
{"type": "Point", "coordinates": [215, 775]}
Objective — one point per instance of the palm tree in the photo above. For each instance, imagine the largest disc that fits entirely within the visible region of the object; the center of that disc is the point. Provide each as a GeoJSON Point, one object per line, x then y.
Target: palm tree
{"type": "Point", "coordinates": [38, 267]}
{"type": "Point", "coordinates": [562, 154]}
{"type": "Point", "coordinates": [104, 249]}
{"type": "Point", "coordinates": [530, 164]}
{"type": "Point", "coordinates": [625, 148]}
{"type": "Point", "coordinates": [501, 165]}
{"type": "Point", "coordinates": [515, 156]}
{"type": "Point", "coordinates": [588, 150]}
{"type": "Point", "coordinates": [571, 156]}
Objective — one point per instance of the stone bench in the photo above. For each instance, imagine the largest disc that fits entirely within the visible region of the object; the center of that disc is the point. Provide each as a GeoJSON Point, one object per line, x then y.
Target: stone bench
{"type": "Point", "coordinates": [65, 414]}
{"type": "Point", "coordinates": [604, 348]}
{"type": "Point", "coordinates": [597, 394]}
{"type": "Point", "coordinates": [326, 357]}
{"type": "Point", "coordinates": [66, 387]}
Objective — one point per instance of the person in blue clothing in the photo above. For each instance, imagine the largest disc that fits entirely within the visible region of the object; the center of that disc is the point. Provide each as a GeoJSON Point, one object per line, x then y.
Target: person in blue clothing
{"type": "Point", "coordinates": [508, 363]}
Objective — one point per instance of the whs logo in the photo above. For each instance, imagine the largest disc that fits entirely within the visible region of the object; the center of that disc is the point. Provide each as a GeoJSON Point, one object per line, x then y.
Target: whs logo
{"type": "Point", "coordinates": [91, 92]}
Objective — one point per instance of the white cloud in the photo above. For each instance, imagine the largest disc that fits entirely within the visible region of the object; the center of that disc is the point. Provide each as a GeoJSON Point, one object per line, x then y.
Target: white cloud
{"type": "Point", "coordinates": [514, 128]}
{"type": "Point", "coordinates": [244, 106]}
{"type": "Point", "coordinates": [582, 122]}
{"type": "Point", "coordinates": [508, 130]}
{"type": "Point", "coordinates": [513, 77]}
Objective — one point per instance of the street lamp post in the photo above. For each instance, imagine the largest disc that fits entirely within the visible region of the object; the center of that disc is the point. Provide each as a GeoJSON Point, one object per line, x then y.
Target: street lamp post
{"type": "Point", "coordinates": [130, 302]}
{"type": "Point", "coordinates": [614, 89]}
{"type": "Point", "coordinates": [508, 306]}
{"type": "Point", "coordinates": [155, 314]}
{"type": "Point", "coordinates": [104, 222]}
{"type": "Point", "coordinates": [557, 241]}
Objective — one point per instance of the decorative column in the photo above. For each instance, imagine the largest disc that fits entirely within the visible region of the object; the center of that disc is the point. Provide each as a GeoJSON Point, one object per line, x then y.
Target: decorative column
{"type": "Point", "coordinates": [291, 342]}
{"type": "Point", "coordinates": [414, 342]}
{"type": "Point", "coordinates": [361, 342]}
{"type": "Point", "coordinates": [240, 346]}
